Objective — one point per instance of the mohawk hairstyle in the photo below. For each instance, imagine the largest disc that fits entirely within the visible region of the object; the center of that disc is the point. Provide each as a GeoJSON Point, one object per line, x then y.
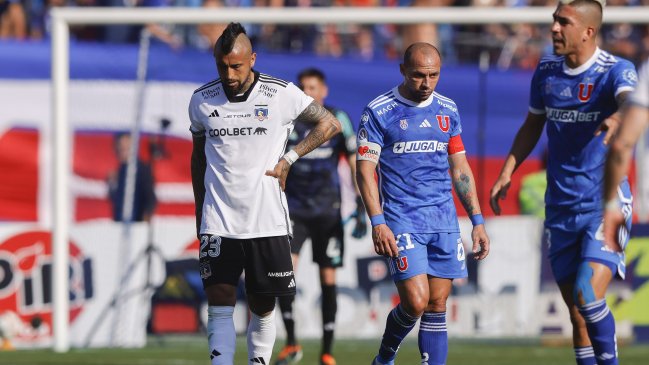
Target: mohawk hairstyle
{"type": "Point", "coordinates": [225, 43]}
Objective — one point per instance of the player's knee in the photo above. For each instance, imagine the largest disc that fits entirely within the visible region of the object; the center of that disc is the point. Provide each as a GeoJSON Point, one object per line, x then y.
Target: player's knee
{"type": "Point", "coordinates": [583, 292]}
{"type": "Point", "coordinates": [221, 295]}
{"type": "Point", "coordinates": [436, 305]}
{"type": "Point", "coordinates": [415, 305]}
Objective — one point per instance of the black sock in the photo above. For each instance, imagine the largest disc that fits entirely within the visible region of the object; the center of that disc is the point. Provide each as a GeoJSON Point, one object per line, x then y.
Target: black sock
{"type": "Point", "coordinates": [329, 308]}
{"type": "Point", "coordinates": [286, 306]}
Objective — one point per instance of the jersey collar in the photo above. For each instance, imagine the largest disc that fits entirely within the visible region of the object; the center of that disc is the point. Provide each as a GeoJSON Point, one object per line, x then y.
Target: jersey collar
{"type": "Point", "coordinates": [424, 103]}
{"type": "Point", "coordinates": [576, 71]}
{"type": "Point", "coordinates": [243, 97]}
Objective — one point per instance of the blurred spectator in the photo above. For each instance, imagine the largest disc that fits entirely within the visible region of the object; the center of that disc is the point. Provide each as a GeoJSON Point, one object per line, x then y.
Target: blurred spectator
{"type": "Point", "coordinates": [13, 23]}
{"type": "Point", "coordinates": [207, 34]}
{"type": "Point", "coordinates": [131, 33]}
{"type": "Point", "coordinates": [426, 32]}
{"type": "Point", "coordinates": [144, 199]}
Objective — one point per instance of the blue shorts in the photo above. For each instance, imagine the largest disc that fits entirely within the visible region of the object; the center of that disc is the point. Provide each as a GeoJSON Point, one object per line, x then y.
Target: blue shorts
{"type": "Point", "coordinates": [436, 254]}
{"type": "Point", "coordinates": [574, 238]}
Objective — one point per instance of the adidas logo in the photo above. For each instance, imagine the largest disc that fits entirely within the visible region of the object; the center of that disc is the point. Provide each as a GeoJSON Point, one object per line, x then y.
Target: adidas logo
{"type": "Point", "coordinates": [214, 354]}
{"type": "Point", "coordinates": [258, 360]}
{"type": "Point", "coordinates": [215, 113]}
{"type": "Point", "coordinates": [605, 356]}
{"type": "Point", "coordinates": [292, 283]}
{"type": "Point", "coordinates": [425, 124]}
{"type": "Point", "coordinates": [566, 92]}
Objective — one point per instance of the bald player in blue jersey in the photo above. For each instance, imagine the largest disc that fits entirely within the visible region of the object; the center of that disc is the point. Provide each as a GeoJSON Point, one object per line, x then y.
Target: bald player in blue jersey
{"type": "Point", "coordinates": [576, 93]}
{"type": "Point", "coordinates": [410, 136]}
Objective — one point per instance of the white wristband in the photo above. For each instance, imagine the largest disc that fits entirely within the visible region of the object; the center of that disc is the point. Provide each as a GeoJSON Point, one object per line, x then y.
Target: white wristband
{"type": "Point", "coordinates": [291, 156]}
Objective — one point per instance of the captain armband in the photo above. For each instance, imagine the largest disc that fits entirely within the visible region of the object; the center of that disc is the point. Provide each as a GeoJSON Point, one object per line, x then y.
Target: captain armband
{"type": "Point", "coordinates": [368, 151]}
{"type": "Point", "coordinates": [455, 145]}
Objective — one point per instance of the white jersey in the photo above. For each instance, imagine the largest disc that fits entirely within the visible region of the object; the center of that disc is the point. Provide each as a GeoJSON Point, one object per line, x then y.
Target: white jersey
{"type": "Point", "coordinates": [245, 138]}
{"type": "Point", "coordinates": [641, 94]}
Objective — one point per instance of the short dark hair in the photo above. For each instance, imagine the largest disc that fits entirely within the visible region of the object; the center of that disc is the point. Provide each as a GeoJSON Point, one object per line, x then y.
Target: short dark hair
{"type": "Point", "coordinates": [225, 43]}
{"type": "Point", "coordinates": [311, 72]}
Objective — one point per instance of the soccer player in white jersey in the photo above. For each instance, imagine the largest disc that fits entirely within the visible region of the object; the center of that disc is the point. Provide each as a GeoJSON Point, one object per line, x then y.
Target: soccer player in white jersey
{"type": "Point", "coordinates": [411, 137]}
{"type": "Point", "coordinates": [634, 122]}
{"type": "Point", "coordinates": [240, 124]}
{"type": "Point", "coordinates": [575, 94]}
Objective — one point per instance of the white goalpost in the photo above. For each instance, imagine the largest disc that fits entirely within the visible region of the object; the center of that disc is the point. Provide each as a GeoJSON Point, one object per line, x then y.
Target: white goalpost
{"type": "Point", "coordinates": [63, 18]}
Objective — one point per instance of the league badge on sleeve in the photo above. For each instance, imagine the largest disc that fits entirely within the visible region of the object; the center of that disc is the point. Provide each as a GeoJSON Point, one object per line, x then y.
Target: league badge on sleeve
{"type": "Point", "coordinates": [403, 123]}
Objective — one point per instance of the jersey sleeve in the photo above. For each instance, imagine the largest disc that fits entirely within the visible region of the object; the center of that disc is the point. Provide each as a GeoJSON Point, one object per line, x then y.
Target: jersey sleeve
{"type": "Point", "coordinates": [295, 103]}
{"type": "Point", "coordinates": [348, 132]}
{"type": "Point", "coordinates": [537, 106]}
{"type": "Point", "coordinates": [641, 94]}
{"type": "Point", "coordinates": [196, 127]}
{"type": "Point", "coordinates": [370, 138]}
{"type": "Point", "coordinates": [624, 77]}
{"type": "Point", "coordinates": [456, 125]}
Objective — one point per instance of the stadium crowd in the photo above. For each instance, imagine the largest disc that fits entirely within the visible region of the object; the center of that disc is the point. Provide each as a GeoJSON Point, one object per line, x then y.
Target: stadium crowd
{"type": "Point", "coordinates": [519, 46]}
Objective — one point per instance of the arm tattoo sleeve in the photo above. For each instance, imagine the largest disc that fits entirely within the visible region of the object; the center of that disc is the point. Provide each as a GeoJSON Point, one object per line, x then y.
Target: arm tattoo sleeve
{"type": "Point", "coordinates": [326, 127]}
{"type": "Point", "coordinates": [313, 113]}
{"type": "Point", "coordinates": [464, 192]}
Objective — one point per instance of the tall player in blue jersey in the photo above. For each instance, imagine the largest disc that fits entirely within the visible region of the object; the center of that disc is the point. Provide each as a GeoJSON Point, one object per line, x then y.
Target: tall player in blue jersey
{"type": "Point", "coordinates": [576, 92]}
{"type": "Point", "coordinates": [411, 137]}
{"type": "Point", "coordinates": [313, 195]}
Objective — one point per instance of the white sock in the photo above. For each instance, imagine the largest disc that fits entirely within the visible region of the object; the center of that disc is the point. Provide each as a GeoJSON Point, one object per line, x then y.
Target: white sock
{"type": "Point", "coordinates": [221, 336]}
{"type": "Point", "coordinates": [261, 338]}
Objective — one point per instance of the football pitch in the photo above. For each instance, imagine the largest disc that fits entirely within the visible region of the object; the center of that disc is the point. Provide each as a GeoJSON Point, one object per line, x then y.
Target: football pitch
{"type": "Point", "coordinates": [193, 350]}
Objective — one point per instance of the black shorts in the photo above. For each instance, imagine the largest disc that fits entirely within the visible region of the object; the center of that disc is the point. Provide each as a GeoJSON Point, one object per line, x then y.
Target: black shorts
{"type": "Point", "coordinates": [266, 260]}
{"type": "Point", "coordinates": [326, 233]}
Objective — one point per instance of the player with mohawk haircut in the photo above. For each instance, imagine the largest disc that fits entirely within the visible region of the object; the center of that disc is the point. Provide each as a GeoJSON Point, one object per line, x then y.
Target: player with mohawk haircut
{"type": "Point", "coordinates": [240, 124]}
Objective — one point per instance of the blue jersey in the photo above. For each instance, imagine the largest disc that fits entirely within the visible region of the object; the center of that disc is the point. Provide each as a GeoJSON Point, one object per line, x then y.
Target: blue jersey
{"type": "Point", "coordinates": [409, 141]}
{"type": "Point", "coordinates": [575, 102]}
{"type": "Point", "coordinates": [313, 185]}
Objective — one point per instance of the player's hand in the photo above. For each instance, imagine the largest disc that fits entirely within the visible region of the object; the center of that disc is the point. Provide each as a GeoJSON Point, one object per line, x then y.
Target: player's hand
{"type": "Point", "coordinates": [384, 242]}
{"type": "Point", "coordinates": [360, 218]}
{"type": "Point", "coordinates": [480, 242]}
{"type": "Point", "coordinates": [280, 172]}
{"type": "Point", "coordinates": [499, 192]}
{"type": "Point", "coordinates": [608, 126]}
{"type": "Point", "coordinates": [613, 220]}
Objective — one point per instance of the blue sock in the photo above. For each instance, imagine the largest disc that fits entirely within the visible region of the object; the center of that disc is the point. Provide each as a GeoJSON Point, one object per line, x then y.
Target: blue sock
{"type": "Point", "coordinates": [585, 355]}
{"type": "Point", "coordinates": [397, 327]}
{"type": "Point", "coordinates": [601, 331]}
{"type": "Point", "coordinates": [433, 338]}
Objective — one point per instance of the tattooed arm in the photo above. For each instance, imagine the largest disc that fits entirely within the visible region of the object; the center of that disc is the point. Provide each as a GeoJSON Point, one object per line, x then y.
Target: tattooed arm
{"type": "Point", "coordinates": [326, 126]}
{"type": "Point", "coordinates": [465, 189]}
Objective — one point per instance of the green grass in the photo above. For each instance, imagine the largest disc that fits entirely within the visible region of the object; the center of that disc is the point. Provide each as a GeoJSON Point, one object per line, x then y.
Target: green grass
{"type": "Point", "coordinates": [193, 350]}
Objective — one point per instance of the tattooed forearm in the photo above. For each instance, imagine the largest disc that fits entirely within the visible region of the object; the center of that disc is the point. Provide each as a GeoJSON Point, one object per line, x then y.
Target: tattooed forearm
{"type": "Point", "coordinates": [326, 127]}
{"type": "Point", "coordinates": [463, 188]}
{"type": "Point", "coordinates": [313, 113]}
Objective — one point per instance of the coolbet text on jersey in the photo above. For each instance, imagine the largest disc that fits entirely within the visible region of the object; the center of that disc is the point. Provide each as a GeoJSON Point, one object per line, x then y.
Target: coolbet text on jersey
{"type": "Point", "coordinates": [240, 201]}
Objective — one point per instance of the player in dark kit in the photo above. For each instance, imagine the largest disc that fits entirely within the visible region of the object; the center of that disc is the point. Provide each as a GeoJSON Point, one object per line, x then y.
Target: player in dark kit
{"type": "Point", "coordinates": [313, 194]}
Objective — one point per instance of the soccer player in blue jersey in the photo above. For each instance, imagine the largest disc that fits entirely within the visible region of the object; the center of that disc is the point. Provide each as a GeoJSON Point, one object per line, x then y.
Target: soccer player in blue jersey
{"type": "Point", "coordinates": [313, 194]}
{"type": "Point", "coordinates": [410, 136]}
{"type": "Point", "coordinates": [576, 93]}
